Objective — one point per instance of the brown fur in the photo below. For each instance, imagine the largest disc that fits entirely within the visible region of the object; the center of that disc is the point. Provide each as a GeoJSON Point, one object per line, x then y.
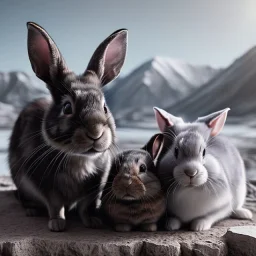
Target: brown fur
{"type": "Point", "coordinates": [133, 198]}
{"type": "Point", "coordinates": [137, 213]}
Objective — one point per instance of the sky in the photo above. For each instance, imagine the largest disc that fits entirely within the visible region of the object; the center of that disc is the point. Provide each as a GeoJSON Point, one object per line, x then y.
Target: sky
{"type": "Point", "coordinates": [211, 32]}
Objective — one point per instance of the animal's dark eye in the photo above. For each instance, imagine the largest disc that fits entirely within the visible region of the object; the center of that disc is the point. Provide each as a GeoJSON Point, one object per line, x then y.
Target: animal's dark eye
{"type": "Point", "coordinates": [67, 108]}
{"type": "Point", "coordinates": [105, 109]}
{"type": "Point", "coordinates": [204, 153]}
{"type": "Point", "coordinates": [143, 168]}
{"type": "Point", "coordinates": [176, 152]}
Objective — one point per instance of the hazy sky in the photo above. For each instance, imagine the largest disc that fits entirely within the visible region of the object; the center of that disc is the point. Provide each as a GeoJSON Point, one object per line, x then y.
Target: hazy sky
{"type": "Point", "coordinates": [213, 32]}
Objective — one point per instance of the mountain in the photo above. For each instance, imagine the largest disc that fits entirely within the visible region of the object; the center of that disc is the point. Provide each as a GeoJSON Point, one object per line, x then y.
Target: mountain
{"type": "Point", "coordinates": [234, 87]}
{"type": "Point", "coordinates": [8, 115]}
{"type": "Point", "coordinates": [159, 81]}
{"type": "Point", "coordinates": [16, 90]}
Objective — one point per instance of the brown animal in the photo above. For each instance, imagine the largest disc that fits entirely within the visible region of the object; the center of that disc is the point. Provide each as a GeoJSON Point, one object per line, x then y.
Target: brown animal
{"type": "Point", "coordinates": [132, 197]}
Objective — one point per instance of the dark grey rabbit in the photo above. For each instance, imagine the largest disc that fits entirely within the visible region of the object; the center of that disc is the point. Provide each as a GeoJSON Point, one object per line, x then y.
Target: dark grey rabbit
{"type": "Point", "coordinates": [61, 148]}
{"type": "Point", "coordinates": [201, 171]}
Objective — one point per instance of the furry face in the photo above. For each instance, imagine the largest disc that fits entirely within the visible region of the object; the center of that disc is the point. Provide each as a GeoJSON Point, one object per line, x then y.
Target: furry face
{"type": "Point", "coordinates": [189, 161]}
{"type": "Point", "coordinates": [189, 150]}
{"type": "Point", "coordinates": [79, 122]}
{"type": "Point", "coordinates": [135, 177]}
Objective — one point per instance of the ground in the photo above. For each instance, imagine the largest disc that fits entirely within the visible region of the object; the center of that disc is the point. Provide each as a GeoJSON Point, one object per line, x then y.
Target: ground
{"type": "Point", "coordinates": [29, 236]}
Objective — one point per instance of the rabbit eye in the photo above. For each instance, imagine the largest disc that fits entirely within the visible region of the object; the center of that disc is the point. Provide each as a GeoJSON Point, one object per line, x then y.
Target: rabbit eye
{"type": "Point", "coordinates": [105, 109]}
{"type": "Point", "coordinates": [143, 168]}
{"type": "Point", "coordinates": [67, 108]}
{"type": "Point", "coordinates": [176, 152]}
{"type": "Point", "coordinates": [204, 153]}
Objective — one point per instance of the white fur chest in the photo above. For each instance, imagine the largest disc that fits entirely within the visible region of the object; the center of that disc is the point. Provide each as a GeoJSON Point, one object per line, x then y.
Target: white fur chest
{"type": "Point", "coordinates": [82, 167]}
{"type": "Point", "coordinates": [190, 203]}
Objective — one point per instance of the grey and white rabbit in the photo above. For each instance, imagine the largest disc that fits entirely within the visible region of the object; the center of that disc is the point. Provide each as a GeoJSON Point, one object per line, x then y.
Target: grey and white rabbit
{"type": "Point", "coordinates": [201, 171]}
{"type": "Point", "coordinates": [133, 197]}
{"type": "Point", "coordinates": [61, 148]}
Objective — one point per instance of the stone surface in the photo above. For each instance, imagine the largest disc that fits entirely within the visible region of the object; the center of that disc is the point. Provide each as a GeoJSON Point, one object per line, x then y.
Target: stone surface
{"type": "Point", "coordinates": [29, 236]}
{"type": "Point", "coordinates": [241, 241]}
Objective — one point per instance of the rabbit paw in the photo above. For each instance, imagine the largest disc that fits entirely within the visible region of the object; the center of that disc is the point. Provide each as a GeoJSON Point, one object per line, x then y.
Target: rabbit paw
{"type": "Point", "coordinates": [57, 225]}
{"type": "Point", "coordinates": [150, 227]}
{"type": "Point", "coordinates": [201, 224]}
{"type": "Point", "coordinates": [91, 222]}
{"type": "Point", "coordinates": [242, 213]}
{"type": "Point", "coordinates": [123, 227]}
{"type": "Point", "coordinates": [173, 224]}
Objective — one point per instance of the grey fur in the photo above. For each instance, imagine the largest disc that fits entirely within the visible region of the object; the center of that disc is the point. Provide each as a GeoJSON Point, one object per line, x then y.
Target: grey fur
{"type": "Point", "coordinates": [201, 190]}
{"type": "Point", "coordinates": [57, 159]}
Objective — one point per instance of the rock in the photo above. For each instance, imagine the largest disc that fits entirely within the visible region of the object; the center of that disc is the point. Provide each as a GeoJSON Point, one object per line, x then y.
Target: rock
{"type": "Point", "coordinates": [161, 247]}
{"type": "Point", "coordinates": [241, 241]}
{"type": "Point", "coordinates": [29, 236]}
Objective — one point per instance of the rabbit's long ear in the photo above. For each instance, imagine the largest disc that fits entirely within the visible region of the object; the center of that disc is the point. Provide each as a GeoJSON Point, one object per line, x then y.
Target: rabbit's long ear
{"type": "Point", "coordinates": [154, 145]}
{"type": "Point", "coordinates": [44, 55]}
{"type": "Point", "coordinates": [165, 119]}
{"type": "Point", "coordinates": [109, 57]}
{"type": "Point", "coordinates": [215, 121]}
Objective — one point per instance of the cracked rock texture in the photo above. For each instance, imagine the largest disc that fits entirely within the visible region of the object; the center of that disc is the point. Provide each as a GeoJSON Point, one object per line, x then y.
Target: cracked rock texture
{"type": "Point", "coordinates": [241, 241]}
{"type": "Point", "coordinates": [28, 236]}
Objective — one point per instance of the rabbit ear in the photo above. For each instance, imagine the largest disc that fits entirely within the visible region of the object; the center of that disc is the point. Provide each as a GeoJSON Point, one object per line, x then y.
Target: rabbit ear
{"type": "Point", "coordinates": [109, 57]}
{"type": "Point", "coordinates": [45, 58]}
{"type": "Point", "coordinates": [215, 121]}
{"type": "Point", "coordinates": [165, 119]}
{"type": "Point", "coordinates": [155, 145]}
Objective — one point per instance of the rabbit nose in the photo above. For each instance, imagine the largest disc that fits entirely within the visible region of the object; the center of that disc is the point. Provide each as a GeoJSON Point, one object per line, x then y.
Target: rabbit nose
{"type": "Point", "coordinates": [94, 136]}
{"type": "Point", "coordinates": [190, 173]}
{"type": "Point", "coordinates": [95, 132]}
{"type": "Point", "coordinates": [128, 180]}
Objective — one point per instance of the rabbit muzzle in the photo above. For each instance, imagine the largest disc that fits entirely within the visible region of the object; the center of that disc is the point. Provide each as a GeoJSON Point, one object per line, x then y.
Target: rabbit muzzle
{"type": "Point", "coordinates": [96, 140]}
{"type": "Point", "coordinates": [128, 187]}
{"type": "Point", "coordinates": [191, 173]}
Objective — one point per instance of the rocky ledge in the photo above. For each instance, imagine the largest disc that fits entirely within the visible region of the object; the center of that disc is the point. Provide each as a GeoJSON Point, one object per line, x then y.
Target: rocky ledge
{"type": "Point", "coordinates": [27, 236]}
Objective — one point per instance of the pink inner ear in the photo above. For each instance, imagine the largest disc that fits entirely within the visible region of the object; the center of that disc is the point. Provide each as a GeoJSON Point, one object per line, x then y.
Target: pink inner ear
{"type": "Point", "coordinates": [162, 121]}
{"type": "Point", "coordinates": [114, 56]}
{"type": "Point", "coordinates": [156, 146]}
{"type": "Point", "coordinates": [217, 124]}
{"type": "Point", "coordinates": [113, 52]}
{"type": "Point", "coordinates": [40, 53]}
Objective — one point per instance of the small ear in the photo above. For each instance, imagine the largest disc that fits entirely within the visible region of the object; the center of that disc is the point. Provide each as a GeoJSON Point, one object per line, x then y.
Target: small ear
{"type": "Point", "coordinates": [44, 55]}
{"type": "Point", "coordinates": [215, 121]}
{"type": "Point", "coordinates": [165, 119]}
{"type": "Point", "coordinates": [155, 145]}
{"type": "Point", "coordinates": [109, 57]}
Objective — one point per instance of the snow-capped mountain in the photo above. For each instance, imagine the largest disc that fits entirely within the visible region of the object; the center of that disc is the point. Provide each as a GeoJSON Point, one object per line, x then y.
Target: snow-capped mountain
{"type": "Point", "coordinates": [160, 81]}
{"type": "Point", "coordinates": [16, 90]}
{"type": "Point", "coordinates": [234, 87]}
{"type": "Point", "coordinates": [8, 115]}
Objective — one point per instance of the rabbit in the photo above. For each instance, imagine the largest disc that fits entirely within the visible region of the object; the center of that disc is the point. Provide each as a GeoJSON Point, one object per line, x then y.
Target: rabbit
{"type": "Point", "coordinates": [133, 197]}
{"type": "Point", "coordinates": [201, 171]}
{"type": "Point", "coordinates": [61, 147]}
